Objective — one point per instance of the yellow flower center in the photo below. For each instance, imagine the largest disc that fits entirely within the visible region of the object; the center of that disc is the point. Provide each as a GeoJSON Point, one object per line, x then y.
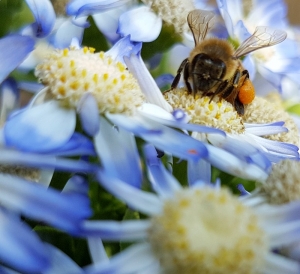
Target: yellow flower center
{"type": "Point", "coordinates": [216, 113]}
{"type": "Point", "coordinates": [69, 73]}
{"type": "Point", "coordinates": [208, 231]}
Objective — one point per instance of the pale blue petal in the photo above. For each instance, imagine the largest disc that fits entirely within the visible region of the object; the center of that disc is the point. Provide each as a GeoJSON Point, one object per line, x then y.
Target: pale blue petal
{"type": "Point", "coordinates": [266, 130]}
{"type": "Point", "coordinates": [76, 184]}
{"type": "Point", "coordinates": [153, 94]}
{"type": "Point", "coordinates": [9, 98]}
{"type": "Point", "coordinates": [40, 128]}
{"type": "Point", "coordinates": [222, 4]}
{"type": "Point", "coordinates": [135, 230]}
{"type": "Point", "coordinates": [96, 250]}
{"type": "Point", "coordinates": [87, 7]}
{"type": "Point", "coordinates": [107, 22]}
{"type": "Point", "coordinates": [67, 31]}
{"type": "Point", "coordinates": [277, 123]}
{"type": "Point", "coordinates": [241, 31]}
{"type": "Point", "coordinates": [13, 50]}
{"type": "Point", "coordinates": [154, 113]}
{"type": "Point", "coordinates": [135, 259]}
{"type": "Point", "coordinates": [161, 180]}
{"type": "Point", "coordinates": [32, 87]}
{"type": "Point", "coordinates": [64, 211]}
{"type": "Point", "coordinates": [199, 171]}
{"type": "Point", "coordinates": [163, 138]}
{"type": "Point", "coordinates": [278, 264]}
{"type": "Point", "coordinates": [231, 164]}
{"type": "Point", "coordinates": [278, 147]}
{"type": "Point", "coordinates": [142, 201]}
{"type": "Point", "coordinates": [269, 13]}
{"type": "Point", "coordinates": [118, 153]}
{"type": "Point", "coordinates": [89, 114]}
{"type": "Point", "coordinates": [241, 149]}
{"type": "Point", "coordinates": [124, 47]}
{"type": "Point", "coordinates": [60, 263]}
{"type": "Point", "coordinates": [273, 78]}
{"type": "Point", "coordinates": [20, 246]}
{"type": "Point", "coordinates": [164, 80]}
{"type": "Point", "coordinates": [142, 24]}
{"type": "Point", "coordinates": [249, 65]}
{"type": "Point", "coordinates": [44, 15]}
{"type": "Point", "coordinates": [12, 157]}
{"type": "Point", "coordinates": [78, 144]}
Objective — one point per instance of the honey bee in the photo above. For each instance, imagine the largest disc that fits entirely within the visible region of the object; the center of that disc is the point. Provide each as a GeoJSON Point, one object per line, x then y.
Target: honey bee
{"type": "Point", "coordinates": [214, 68]}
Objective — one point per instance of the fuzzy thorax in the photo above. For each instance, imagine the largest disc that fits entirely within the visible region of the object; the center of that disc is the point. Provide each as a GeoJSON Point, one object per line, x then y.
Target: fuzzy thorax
{"type": "Point", "coordinates": [69, 73]}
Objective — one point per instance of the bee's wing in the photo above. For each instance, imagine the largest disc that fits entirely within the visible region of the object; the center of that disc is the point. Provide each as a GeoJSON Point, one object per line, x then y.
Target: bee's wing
{"type": "Point", "coordinates": [200, 22]}
{"type": "Point", "coordinates": [261, 38]}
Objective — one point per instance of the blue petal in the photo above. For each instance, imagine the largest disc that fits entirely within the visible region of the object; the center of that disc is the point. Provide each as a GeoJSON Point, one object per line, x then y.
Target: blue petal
{"type": "Point", "coordinates": [164, 80]}
{"type": "Point", "coordinates": [142, 201]}
{"type": "Point", "coordinates": [13, 50]}
{"type": "Point", "coordinates": [60, 263]}
{"type": "Point", "coordinates": [107, 22]}
{"type": "Point", "coordinates": [141, 24]}
{"type": "Point", "coordinates": [89, 114]}
{"type": "Point", "coordinates": [9, 98]}
{"type": "Point", "coordinates": [231, 164]}
{"type": "Point", "coordinates": [222, 4]}
{"type": "Point", "coordinates": [67, 31]}
{"type": "Point", "coordinates": [97, 250]}
{"type": "Point", "coordinates": [76, 184]}
{"type": "Point", "coordinates": [40, 128]}
{"type": "Point", "coordinates": [118, 153]}
{"type": "Point", "coordinates": [64, 211]}
{"type": "Point", "coordinates": [44, 15]}
{"type": "Point", "coordinates": [11, 157]}
{"type": "Point", "coordinates": [137, 258]}
{"type": "Point", "coordinates": [199, 171]}
{"type": "Point", "coordinates": [20, 246]}
{"type": "Point", "coordinates": [278, 147]}
{"type": "Point", "coordinates": [162, 137]}
{"type": "Point", "coordinates": [187, 126]}
{"type": "Point", "coordinates": [153, 94]}
{"type": "Point", "coordinates": [77, 145]}
{"type": "Point", "coordinates": [87, 7]}
{"type": "Point", "coordinates": [32, 87]}
{"type": "Point", "coordinates": [269, 13]}
{"type": "Point", "coordinates": [241, 149]}
{"type": "Point", "coordinates": [274, 79]}
{"type": "Point", "coordinates": [124, 47]}
{"type": "Point", "coordinates": [117, 231]}
{"type": "Point", "coordinates": [266, 130]}
{"type": "Point", "coordinates": [162, 181]}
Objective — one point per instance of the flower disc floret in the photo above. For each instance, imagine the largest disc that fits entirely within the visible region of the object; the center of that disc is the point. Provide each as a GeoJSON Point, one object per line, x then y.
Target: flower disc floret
{"type": "Point", "coordinates": [208, 231]}
{"type": "Point", "coordinates": [69, 73]}
{"type": "Point", "coordinates": [283, 183]}
{"type": "Point", "coordinates": [216, 113]}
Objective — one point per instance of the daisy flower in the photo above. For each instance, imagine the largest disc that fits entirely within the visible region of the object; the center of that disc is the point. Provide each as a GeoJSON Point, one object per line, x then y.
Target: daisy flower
{"type": "Point", "coordinates": [77, 80]}
{"type": "Point", "coordinates": [200, 229]}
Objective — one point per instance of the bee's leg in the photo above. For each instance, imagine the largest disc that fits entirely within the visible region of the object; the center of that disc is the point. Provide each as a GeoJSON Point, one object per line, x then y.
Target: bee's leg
{"type": "Point", "coordinates": [239, 107]}
{"type": "Point", "coordinates": [219, 90]}
{"type": "Point", "coordinates": [178, 75]}
{"type": "Point", "coordinates": [186, 79]}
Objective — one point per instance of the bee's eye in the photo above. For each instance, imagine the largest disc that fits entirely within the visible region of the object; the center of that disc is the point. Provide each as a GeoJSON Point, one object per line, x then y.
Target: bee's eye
{"type": "Point", "coordinates": [247, 92]}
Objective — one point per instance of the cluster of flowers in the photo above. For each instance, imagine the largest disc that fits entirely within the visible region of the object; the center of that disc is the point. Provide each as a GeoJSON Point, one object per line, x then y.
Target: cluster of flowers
{"type": "Point", "coordinates": [109, 170]}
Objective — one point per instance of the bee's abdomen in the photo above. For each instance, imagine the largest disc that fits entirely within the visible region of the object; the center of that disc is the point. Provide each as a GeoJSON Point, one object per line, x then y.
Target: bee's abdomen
{"type": "Point", "coordinates": [206, 72]}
